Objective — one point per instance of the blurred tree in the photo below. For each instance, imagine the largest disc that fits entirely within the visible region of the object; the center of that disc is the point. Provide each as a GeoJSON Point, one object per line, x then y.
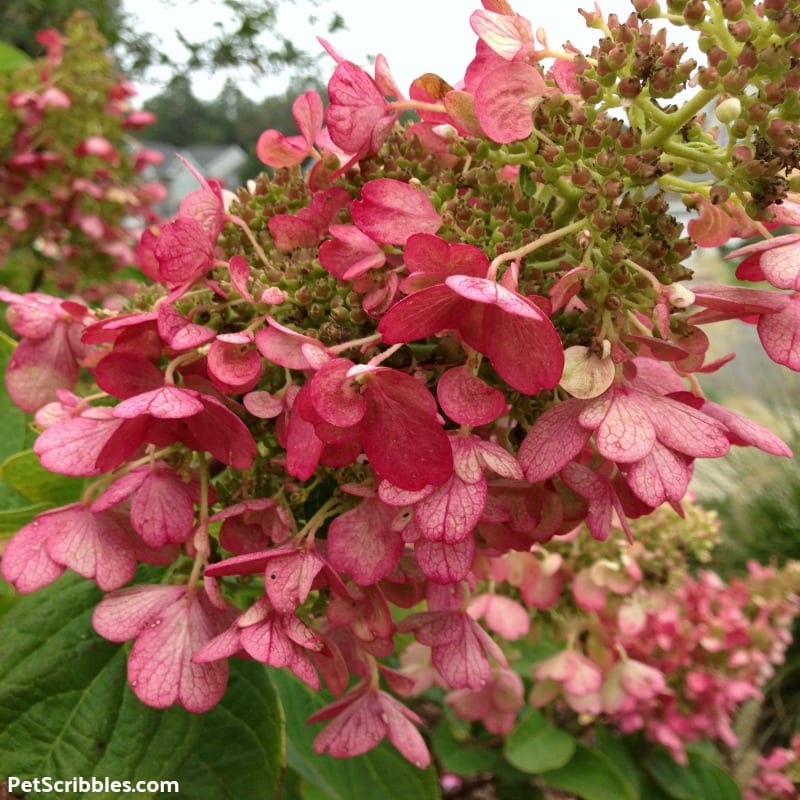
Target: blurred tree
{"type": "Point", "coordinates": [231, 118]}
{"type": "Point", "coordinates": [246, 35]}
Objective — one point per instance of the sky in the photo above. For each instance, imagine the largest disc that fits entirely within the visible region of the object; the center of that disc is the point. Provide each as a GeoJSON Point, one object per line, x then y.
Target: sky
{"type": "Point", "coordinates": [416, 36]}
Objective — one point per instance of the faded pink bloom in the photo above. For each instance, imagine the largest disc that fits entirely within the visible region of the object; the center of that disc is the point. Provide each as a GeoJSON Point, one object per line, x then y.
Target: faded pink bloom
{"type": "Point", "coordinates": [169, 625]}
{"type": "Point", "coordinates": [100, 546]}
{"type": "Point", "coordinates": [495, 705]}
{"type": "Point", "coordinates": [269, 636]}
{"type": "Point", "coordinates": [460, 647]}
{"type": "Point", "coordinates": [501, 614]}
{"type": "Point", "coordinates": [362, 718]}
{"type": "Point", "coordinates": [47, 358]}
{"type": "Point", "coordinates": [363, 543]}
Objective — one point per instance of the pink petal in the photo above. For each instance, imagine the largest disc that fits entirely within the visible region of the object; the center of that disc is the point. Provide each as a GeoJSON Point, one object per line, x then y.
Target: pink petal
{"type": "Point", "coordinates": [362, 544]}
{"type": "Point", "coordinates": [183, 250]}
{"type": "Point", "coordinates": [401, 732]}
{"type": "Point", "coordinates": [290, 232]}
{"type": "Point", "coordinates": [445, 563]}
{"type": "Point", "coordinates": [160, 668]}
{"type": "Point", "coordinates": [452, 511]}
{"type": "Point", "coordinates": [742, 431]}
{"type": "Point", "coordinates": [239, 270]}
{"type": "Point", "coordinates": [289, 575]}
{"type": "Point", "coordinates": [506, 34]}
{"type": "Point", "coordinates": [284, 346]}
{"type": "Point", "coordinates": [682, 428]}
{"type": "Point", "coordinates": [350, 253]}
{"type": "Point", "coordinates": [167, 402]}
{"type": "Point", "coordinates": [778, 259]}
{"type": "Point", "coordinates": [163, 509]}
{"type": "Point", "coordinates": [466, 399]}
{"type": "Point", "coordinates": [505, 99]}
{"type": "Point", "coordinates": [178, 332]}
{"type": "Point", "coordinates": [223, 434]}
{"type": "Point", "coordinates": [780, 334]}
{"type": "Point", "coordinates": [263, 404]}
{"type": "Point", "coordinates": [391, 211]}
{"type": "Point", "coordinates": [502, 615]}
{"type": "Point", "coordinates": [308, 113]}
{"type": "Point", "coordinates": [660, 476]}
{"type": "Point", "coordinates": [126, 375]}
{"type": "Point", "coordinates": [96, 546]}
{"type": "Point", "coordinates": [420, 315]}
{"type": "Point", "coordinates": [237, 367]}
{"type": "Point", "coordinates": [277, 150]}
{"type": "Point", "coordinates": [357, 110]}
{"type": "Point", "coordinates": [334, 396]}
{"type": "Point", "coordinates": [72, 447]}
{"type": "Point", "coordinates": [516, 335]}
{"type": "Point", "coordinates": [37, 369]}
{"type": "Point", "coordinates": [356, 729]}
{"type": "Point", "coordinates": [26, 563]}
{"type": "Point", "coordinates": [625, 433]}
{"type": "Point", "coordinates": [400, 434]}
{"type": "Point", "coordinates": [125, 613]}
{"type": "Point", "coordinates": [555, 439]}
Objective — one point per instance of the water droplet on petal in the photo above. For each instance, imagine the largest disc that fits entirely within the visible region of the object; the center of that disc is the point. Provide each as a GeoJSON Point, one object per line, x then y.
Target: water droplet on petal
{"type": "Point", "coordinates": [36, 523]}
{"type": "Point", "coordinates": [133, 684]}
{"type": "Point", "coordinates": [385, 718]}
{"type": "Point", "coordinates": [418, 764]}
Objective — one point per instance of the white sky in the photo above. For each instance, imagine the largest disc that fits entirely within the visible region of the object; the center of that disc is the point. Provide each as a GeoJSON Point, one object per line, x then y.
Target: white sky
{"type": "Point", "coordinates": [416, 36]}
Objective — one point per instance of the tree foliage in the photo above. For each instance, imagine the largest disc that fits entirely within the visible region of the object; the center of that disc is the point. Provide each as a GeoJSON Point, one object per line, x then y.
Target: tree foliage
{"type": "Point", "coordinates": [249, 38]}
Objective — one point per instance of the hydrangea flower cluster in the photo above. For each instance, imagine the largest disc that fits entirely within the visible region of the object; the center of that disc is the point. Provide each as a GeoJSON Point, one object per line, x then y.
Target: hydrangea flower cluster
{"type": "Point", "coordinates": [640, 643]}
{"type": "Point", "coordinates": [416, 349]}
{"type": "Point", "coordinates": [70, 173]}
{"type": "Point", "coordinates": [778, 776]}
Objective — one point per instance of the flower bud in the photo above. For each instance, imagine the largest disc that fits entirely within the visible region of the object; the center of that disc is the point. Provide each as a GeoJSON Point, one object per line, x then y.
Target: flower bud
{"type": "Point", "coordinates": [679, 296]}
{"type": "Point", "coordinates": [728, 110]}
{"type": "Point", "coordinates": [647, 9]}
{"type": "Point", "coordinates": [741, 30]}
{"type": "Point", "coordinates": [629, 87]}
{"type": "Point", "coordinates": [732, 9]}
{"type": "Point", "coordinates": [695, 11]}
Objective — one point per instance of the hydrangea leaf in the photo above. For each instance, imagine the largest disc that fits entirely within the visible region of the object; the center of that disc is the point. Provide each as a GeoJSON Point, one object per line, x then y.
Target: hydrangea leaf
{"type": "Point", "coordinates": [534, 745]}
{"type": "Point", "coordinates": [66, 710]}
{"type": "Point", "coordinates": [590, 776]}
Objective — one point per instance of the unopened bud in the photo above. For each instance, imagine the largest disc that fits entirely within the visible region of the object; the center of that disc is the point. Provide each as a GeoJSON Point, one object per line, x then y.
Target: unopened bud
{"type": "Point", "coordinates": [647, 9]}
{"type": "Point", "coordinates": [679, 296]}
{"type": "Point", "coordinates": [728, 110]}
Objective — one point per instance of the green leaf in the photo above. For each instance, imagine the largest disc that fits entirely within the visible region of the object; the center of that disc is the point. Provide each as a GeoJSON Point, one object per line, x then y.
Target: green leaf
{"type": "Point", "coordinates": [535, 746]}
{"type": "Point", "coordinates": [11, 57]}
{"type": "Point", "coordinates": [382, 773]}
{"type": "Point", "coordinates": [591, 776]}
{"type": "Point", "coordinates": [240, 752]}
{"type": "Point", "coordinates": [527, 183]}
{"type": "Point", "coordinates": [462, 758]}
{"type": "Point", "coordinates": [699, 779]}
{"type": "Point", "coordinates": [66, 710]}
{"type": "Point", "coordinates": [23, 473]}
{"type": "Point", "coordinates": [615, 747]}
{"type": "Point", "coordinates": [12, 519]}
{"type": "Point", "coordinates": [65, 706]}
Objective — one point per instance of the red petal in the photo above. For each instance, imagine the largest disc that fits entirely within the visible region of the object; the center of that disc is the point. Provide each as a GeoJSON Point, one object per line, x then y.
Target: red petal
{"type": "Point", "coordinates": [391, 211]}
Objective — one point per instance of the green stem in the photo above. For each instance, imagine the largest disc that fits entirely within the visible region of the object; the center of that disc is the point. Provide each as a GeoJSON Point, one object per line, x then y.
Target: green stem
{"type": "Point", "coordinates": [668, 124]}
